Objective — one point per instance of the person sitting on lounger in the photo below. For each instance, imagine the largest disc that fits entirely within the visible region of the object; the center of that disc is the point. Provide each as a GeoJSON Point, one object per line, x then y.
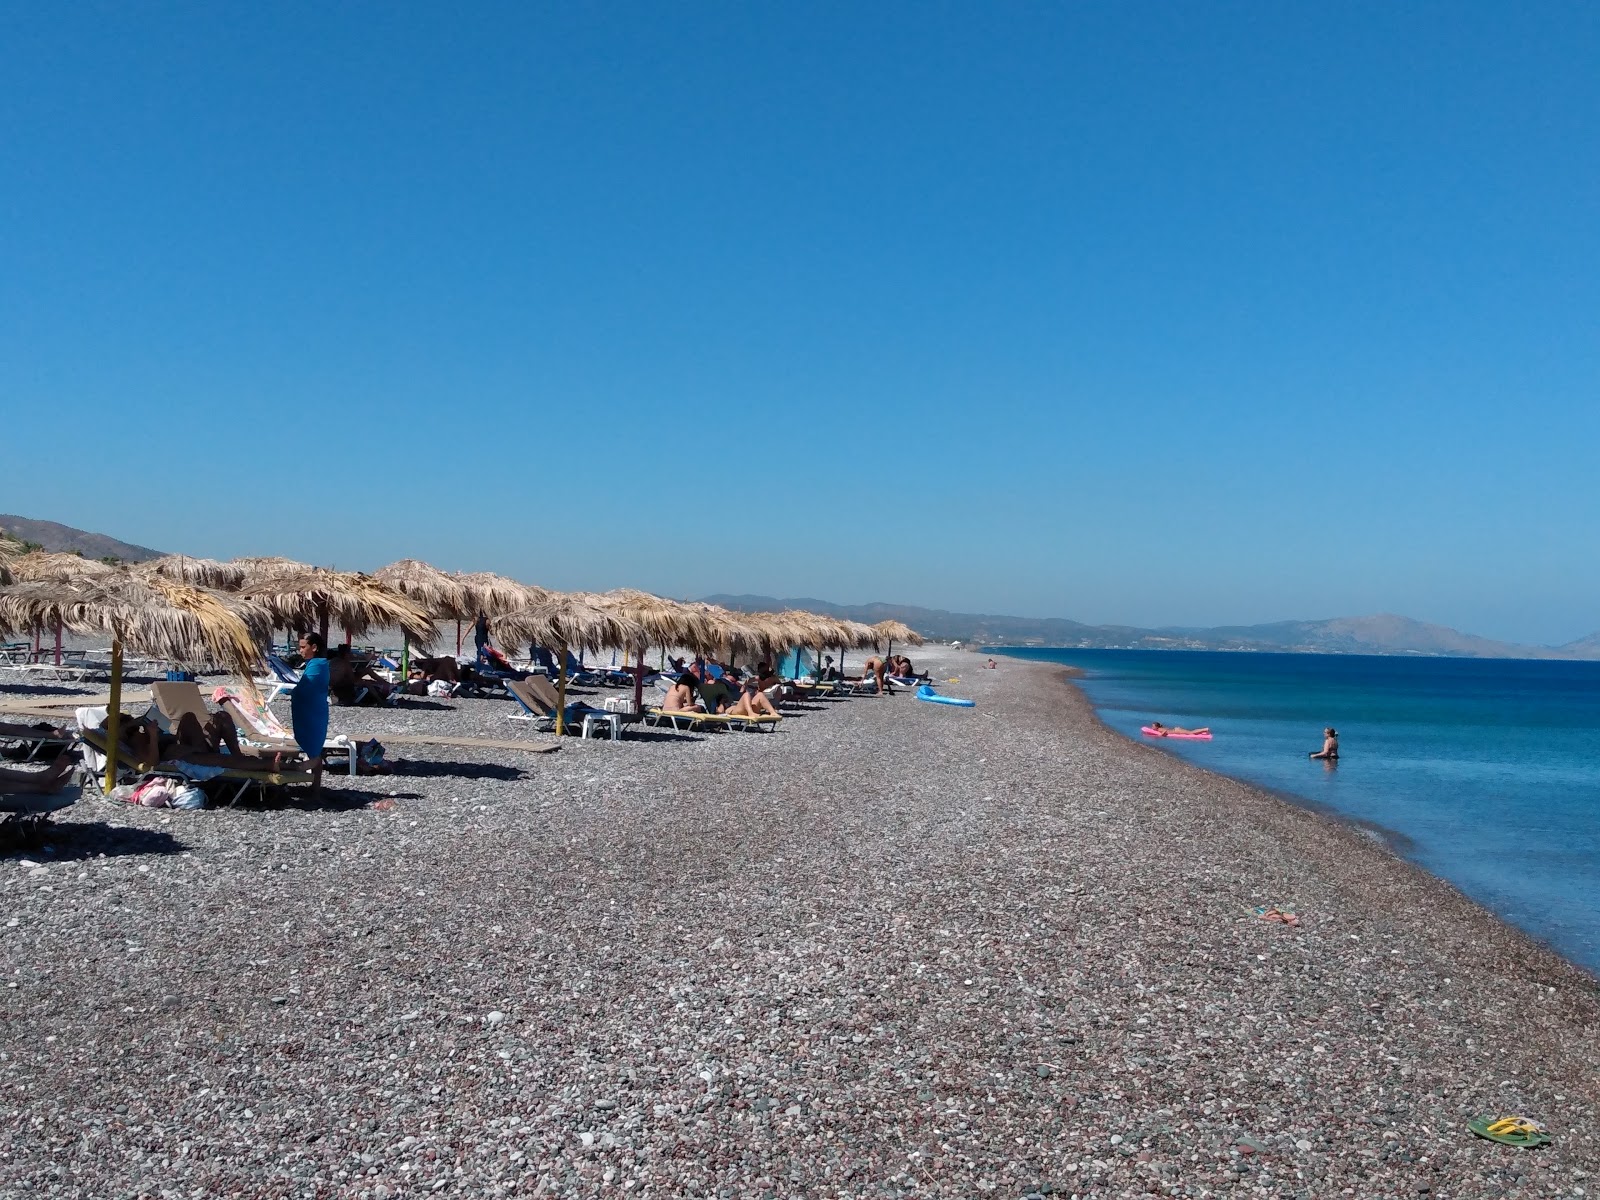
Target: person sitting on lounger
{"type": "Point", "coordinates": [351, 681]}
{"type": "Point", "coordinates": [752, 702]}
{"type": "Point", "coordinates": [52, 779]}
{"type": "Point", "coordinates": [829, 672]}
{"type": "Point", "coordinates": [680, 696]}
{"type": "Point", "coordinates": [1164, 730]}
{"type": "Point", "coordinates": [716, 694]}
{"type": "Point", "coordinates": [767, 682]}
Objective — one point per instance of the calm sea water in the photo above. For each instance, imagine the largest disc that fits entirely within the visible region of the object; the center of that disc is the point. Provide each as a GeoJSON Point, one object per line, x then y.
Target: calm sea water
{"type": "Point", "coordinates": [1490, 769]}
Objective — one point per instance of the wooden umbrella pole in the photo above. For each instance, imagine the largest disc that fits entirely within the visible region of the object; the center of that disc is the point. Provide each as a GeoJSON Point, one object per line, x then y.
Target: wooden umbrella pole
{"type": "Point", "coordinates": [561, 708]}
{"type": "Point", "coordinates": [458, 637]}
{"type": "Point", "coordinates": [58, 643]}
{"type": "Point", "coordinates": [405, 656]}
{"type": "Point", "coordinates": [114, 715]}
{"type": "Point", "coordinates": [638, 685]}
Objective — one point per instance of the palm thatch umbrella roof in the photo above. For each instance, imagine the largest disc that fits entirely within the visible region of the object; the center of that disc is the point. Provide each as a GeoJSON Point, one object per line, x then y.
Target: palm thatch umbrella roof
{"type": "Point", "coordinates": [317, 598]}
{"type": "Point", "coordinates": [495, 594]}
{"type": "Point", "coordinates": [438, 593]}
{"type": "Point", "coordinates": [762, 633]}
{"type": "Point", "coordinates": [897, 631]}
{"type": "Point", "coordinates": [665, 622]}
{"type": "Point", "coordinates": [569, 621]}
{"type": "Point", "coordinates": [147, 614]}
{"type": "Point", "coordinates": [41, 566]}
{"type": "Point", "coordinates": [258, 568]}
{"type": "Point", "coordinates": [819, 630]}
{"type": "Point", "coordinates": [197, 572]}
{"type": "Point", "coordinates": [10, 548]}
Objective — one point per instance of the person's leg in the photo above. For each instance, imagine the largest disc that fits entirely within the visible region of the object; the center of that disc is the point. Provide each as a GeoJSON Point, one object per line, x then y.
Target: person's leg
{"type": "Point", "coordinates": [49, 780]}
{"type": "Point", "coordinates": [191, 735]}
{"type": "Point", "coordinates": [221, 731]}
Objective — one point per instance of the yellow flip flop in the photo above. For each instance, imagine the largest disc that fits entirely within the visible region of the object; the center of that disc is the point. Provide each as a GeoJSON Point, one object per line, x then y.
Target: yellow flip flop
{"type": "Point", "coordinates": [1510, 1131]}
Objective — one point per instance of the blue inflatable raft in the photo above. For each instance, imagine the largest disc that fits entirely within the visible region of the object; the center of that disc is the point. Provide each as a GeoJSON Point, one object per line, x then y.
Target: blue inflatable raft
{"type": "Point", "coordinates": [926, 692]}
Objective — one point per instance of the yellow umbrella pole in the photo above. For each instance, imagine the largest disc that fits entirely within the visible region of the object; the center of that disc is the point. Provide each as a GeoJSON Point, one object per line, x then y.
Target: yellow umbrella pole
{"type": "Point", "coordinates": [114, 716]}
{"type": "Point", "coordinates": [561, 708]}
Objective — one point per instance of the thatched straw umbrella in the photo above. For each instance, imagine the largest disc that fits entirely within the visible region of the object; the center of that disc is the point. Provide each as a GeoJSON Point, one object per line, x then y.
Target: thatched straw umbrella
{"type": "Point", "coordinates": [664, 623]}
{"type": "Point", "coordinates": [759, 633]}
{"type": "Point", "coordinates": [495, 594]}
{"type": "Point", "coordinates": [441, 595]}
{"type": "Point", "coordinates": [144, 613]}
{"type": "Point", "coordinates": [565, 622]}
{"type": "Point", "coordinates": [196, 572]}
{"type": "Point", "coordinates": [259, 568]}
{"type": "Point", "coordinates": [315, 597]}
{"type": "Point", "coordinates": [896, 631]}
{"type": "Point", "coordinates": [41, 566]}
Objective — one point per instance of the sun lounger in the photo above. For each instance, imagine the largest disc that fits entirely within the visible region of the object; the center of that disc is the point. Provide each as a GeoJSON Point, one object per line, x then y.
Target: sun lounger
{"type": "Point", "coordinates": [33, 743]}
{"type": "Point", "coordinates": [261, 730]}
{"type": "Point", "coordinates": [683, 718]}
{"type": "Point", "coordinates": [579, 719]}
{"type": "Point", "coordinates": [283, 678]}
{"type": "Point", "coordinates": [95, 740]}
{"type": "Point", "coordinates": [25, 816]}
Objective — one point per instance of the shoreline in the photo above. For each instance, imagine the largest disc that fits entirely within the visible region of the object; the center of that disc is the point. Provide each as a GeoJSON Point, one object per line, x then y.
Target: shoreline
{"type": "Point", "coordinates": [1392, 843]}
{"type": "Point", "coordinates": [1395, 842]}
{"type": "Point", "coordinates": [891, 946]}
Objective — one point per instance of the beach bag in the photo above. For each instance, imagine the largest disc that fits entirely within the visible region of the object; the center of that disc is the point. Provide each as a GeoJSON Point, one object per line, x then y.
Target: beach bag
{"type": "Point", "coordinates": [439, 687]}
{"type": "Point", "coordinates": [189, 797]}
{"type": "Point", "coordinates": [156, 793]}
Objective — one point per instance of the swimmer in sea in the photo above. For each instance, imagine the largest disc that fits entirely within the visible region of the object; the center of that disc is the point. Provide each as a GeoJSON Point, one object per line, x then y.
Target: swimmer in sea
{"type": "Point", "coordinates": [1330, 745]}
{"type": "Point", "coordinates": [1164, 730]}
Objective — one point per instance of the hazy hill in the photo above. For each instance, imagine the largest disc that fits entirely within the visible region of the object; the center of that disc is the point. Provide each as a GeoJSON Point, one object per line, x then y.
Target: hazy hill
{"type": "Point", "coordinates": [1382, 634]}
{"type": "Point", "coordinates": [66, 539]}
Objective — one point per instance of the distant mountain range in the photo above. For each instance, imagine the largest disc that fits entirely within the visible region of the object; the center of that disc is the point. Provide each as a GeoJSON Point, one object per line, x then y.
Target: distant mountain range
{"type": "Point", "coordinates": [67, 540]}
{"type": "Point", "coordinates": [1384, 634]}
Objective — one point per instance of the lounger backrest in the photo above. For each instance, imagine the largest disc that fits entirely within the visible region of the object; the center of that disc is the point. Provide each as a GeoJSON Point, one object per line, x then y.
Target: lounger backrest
{"type": "Point", "coordinates": [528, 698]}
{"type": "Point", "coordinates": [253, 729]}
{"type": "Point", "coordinates": [546, 691]}
{"type": "Point", "coordinates": [173, 700]}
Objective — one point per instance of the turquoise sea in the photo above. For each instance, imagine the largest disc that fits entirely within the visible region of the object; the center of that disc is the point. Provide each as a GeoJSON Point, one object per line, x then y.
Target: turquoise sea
{"type": "Point", "coordinates": [1487, 769]}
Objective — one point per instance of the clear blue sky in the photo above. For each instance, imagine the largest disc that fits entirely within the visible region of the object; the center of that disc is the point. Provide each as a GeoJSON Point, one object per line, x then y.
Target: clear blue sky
{"type": "Point", "coordinates": [1155, 313]}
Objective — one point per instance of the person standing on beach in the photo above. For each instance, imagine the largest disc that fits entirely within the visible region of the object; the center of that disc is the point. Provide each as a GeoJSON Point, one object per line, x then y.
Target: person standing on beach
{"type": "Point", "coordinates": [308, 704]}
{"type": "Point", "coordinates": [1330, 745]}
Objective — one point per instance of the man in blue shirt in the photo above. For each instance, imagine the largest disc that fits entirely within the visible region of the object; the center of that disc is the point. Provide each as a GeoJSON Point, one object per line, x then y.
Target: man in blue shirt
{"type": "Point", "coordinates": [308, 704]}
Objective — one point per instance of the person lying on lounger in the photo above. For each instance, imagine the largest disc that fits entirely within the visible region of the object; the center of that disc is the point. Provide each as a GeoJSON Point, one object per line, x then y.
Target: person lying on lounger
{"type": "Point", "coordinates": [213, 744]}
{"type": "Point", "coordinates": [52, 779]}
{"type": "Point", "coordinates": [1164, 730]}
{"type": "Point", "coordinates": [34, 733]}
{"type": "Point", "coordinates": [752, 702]}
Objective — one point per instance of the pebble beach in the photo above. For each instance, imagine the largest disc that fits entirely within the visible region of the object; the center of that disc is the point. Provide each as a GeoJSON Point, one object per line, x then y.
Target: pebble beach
{"type": "Point", "coordinates": [891, 949]}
